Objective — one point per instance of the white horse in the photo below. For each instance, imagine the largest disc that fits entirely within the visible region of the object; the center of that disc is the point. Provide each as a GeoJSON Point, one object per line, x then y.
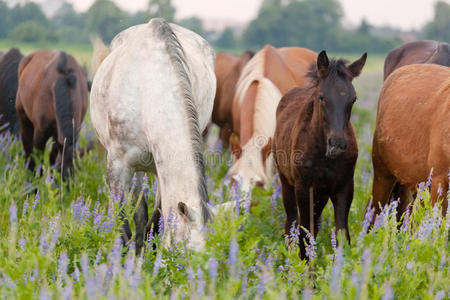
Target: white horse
{"type": "Point", "coordinates": [151, 98]}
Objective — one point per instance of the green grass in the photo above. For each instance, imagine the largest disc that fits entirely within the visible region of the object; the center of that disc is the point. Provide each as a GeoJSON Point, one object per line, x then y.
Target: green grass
{"type": "Point", "coordinates": [82, 224]}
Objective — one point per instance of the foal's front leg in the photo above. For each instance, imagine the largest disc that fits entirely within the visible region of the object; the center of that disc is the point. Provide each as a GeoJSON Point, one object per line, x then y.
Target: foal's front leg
{"type": "Point", "coordinates": [141, 214]}
{"type": "Point", "coordinates": [342, 201]}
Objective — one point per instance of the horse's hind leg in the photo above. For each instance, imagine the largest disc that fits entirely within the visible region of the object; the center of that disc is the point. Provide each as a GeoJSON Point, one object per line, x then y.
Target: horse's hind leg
{"type": "Point", "coordinates": [153, 225]}
{"type": "Point", "coordinates": [383, 183]}
{"type": "Point", "coordinates": [26, 133]}
{"type": "Point", "coordinates": [119, 179]}
{"type": "Point", "coordinates": [141, 214]}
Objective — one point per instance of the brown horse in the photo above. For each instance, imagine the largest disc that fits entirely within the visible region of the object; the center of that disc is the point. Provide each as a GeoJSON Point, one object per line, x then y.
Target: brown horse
{"type": "Point", "coordinates": [52, 99]}
{"type": "Point", "coordinates": [228, 69]}
{"type": "Point", "coordinates": [315, 146]}
{"type": "Point", "coordinates": [418, 52]}
{"type": "Point", "coordinates": [266, 77]}
{"type": "Point", "coordinates": [9, 64]}
{"type": "Point", "coordinates": [412, 134]}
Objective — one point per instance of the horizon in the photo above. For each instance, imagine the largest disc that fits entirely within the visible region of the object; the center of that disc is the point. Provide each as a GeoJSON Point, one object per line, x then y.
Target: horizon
{"type": "Point", "coordinates": [401, 14]}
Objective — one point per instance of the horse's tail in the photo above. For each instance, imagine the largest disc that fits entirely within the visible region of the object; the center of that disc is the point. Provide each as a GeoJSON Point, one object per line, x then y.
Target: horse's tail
{"type": "Point", "coordinates": [99, 54]}
{"type": "Point", "coordinates": [62, 91]}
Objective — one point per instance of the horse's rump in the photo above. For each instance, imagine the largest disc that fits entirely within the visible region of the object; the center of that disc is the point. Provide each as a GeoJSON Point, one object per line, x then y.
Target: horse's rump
{"type": "Point", "coordinates": [9, 64]}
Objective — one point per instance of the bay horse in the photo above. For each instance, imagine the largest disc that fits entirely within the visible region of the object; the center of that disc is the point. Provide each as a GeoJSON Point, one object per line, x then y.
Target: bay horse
{"type": "Point", "coordinates": [315, 146]}
{"type": "Point", "coordinates": [412, 133]}
{"type": "Point", "coordinates": [52, 99]}
{"type": "Point", "coordinates": [9, 65]}
{"type": "Point", "coordinates": [265, 78]}
{"type": "Point", "coordinates": [417, 52]}
{"type": "Point", "coordinates": [151, 98]}
{"type": "Point", "coordinates": [228, 69]}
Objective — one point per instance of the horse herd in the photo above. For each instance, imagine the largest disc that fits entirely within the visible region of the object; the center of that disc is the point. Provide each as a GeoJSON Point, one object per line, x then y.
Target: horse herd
{"type": "Point", "coordinates": [280, 110]}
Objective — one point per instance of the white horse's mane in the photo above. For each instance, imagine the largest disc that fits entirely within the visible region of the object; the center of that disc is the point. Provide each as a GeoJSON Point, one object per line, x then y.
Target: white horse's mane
{"type": "Point", "coordinates": [178, 60]}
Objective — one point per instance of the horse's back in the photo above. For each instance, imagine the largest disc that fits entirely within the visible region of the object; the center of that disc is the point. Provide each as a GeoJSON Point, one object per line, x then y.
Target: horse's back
{"type": "Point", "coordinates": [417, 52]}
{"type": "Point", "coordinates": [412, 120]}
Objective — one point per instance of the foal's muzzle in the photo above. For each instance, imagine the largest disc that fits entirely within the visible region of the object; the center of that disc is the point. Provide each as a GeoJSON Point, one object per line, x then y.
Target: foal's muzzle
{"type": "Point", "coordinates": [335, 147]}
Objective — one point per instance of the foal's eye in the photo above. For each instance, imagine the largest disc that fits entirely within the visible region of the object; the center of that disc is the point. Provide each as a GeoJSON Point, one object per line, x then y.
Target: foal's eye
{"type": "Point", "coordinates": [321, 97]}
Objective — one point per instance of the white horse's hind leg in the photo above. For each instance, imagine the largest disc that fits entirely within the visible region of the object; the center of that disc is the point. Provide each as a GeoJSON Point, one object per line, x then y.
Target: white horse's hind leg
{"type": "Point", "coordinates": [141, 214]}
{"type": "Point", "coordinates": [119, 179]}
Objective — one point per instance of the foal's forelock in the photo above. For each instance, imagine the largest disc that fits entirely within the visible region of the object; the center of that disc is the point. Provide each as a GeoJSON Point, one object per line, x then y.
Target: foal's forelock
{"type": "Point", "coordinates": [178, 60]}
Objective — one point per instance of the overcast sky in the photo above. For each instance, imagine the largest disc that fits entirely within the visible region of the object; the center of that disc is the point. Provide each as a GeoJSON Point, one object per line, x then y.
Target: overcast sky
{"type": "Point", "coordinates": [405, 14]}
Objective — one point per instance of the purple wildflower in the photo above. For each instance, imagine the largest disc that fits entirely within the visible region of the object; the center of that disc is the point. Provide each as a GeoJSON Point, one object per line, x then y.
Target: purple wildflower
{"type": "Point", "coordinates": [388, 292]}
{"type": "Point", "coordinates": [333, 241]}
{"type": "Point", "coordinates": [25, 207]}
{"type": "Point", "coordinates": [157, 264]}
{"type": "Point", "coordinates": [98, 256]}
{"type": "Point", "coordinates": [85, 264]}
{"type": "Point", "coordinates": [336, 272]}
{"type": "Point", "coordinates": [366, 264]}
{"type": "Point", "coordinates": [213, 267]}
{"type": "Point", "coordinates": [275, 197]}
{"type": "Point", "coordinates": [12, 213]}
{"type": "Point", "coordinates": [63, 263]}
{"type": "Point", "coordinates": [367, 220]}
{"type": "Point", "coordinates": [67, 292]}
{"type": "Point", "coordinates": [310, 247]}
{"type": "Point", "coordinates": [430, 178]}
{"type": "Point", "coordinates": [161, 224]}
{"type": "Point", "coordinates": [244, 284]}
{"type": "Point", "coordinates": [22, 243]}
{"type": "Point", "coordinates": [405, 221]}
{"type": "Point", "coordinates": [261, 287]}
{"type": "Point", "coordinates": [44, 295]}
{"type": "Point", "coordinates": [294, 234]}
{"type": "Point", "coordinates": [76, 274]}
{"type": "Point", "coordinates": [439, 295]}
{"type": "Point", "coordinates": [233, 253]}
{"type": "Point", "coordinates": [307, 293]}
{"type": "Point", "coordinates": [201, 283]}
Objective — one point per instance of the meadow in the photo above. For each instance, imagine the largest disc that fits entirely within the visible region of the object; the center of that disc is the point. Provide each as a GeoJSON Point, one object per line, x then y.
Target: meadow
{"type": "Point", "coordinates": [65, 243]}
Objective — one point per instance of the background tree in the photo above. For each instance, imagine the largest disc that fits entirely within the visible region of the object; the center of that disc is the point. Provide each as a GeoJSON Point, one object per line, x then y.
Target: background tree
{"type": "Point", "coordinates": [161, 8]}
{"type": "Point", "coordinates": [439, 27]}
{"type": "Point", "coordinates": [226, 40]}
{"type": "Point", "coordinates": [195, 24]}
{"type": "Point", "coordinates": [106, 19]}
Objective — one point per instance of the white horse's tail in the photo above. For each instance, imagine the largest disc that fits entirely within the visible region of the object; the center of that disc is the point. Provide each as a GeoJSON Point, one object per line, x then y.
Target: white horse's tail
{"type": "Point", "coordinates": [99, 54]}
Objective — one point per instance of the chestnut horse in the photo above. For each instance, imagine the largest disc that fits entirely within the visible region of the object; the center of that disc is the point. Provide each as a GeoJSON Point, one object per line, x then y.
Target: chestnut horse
{"type": "Point", "coordinates": [9, 65]}
{"type": "Point", "coordinates": [228, 69]}
{"type": "Point", "coordinates": [417, 52]}
{"type": "Point", "coordinates": [412, 133]}
{"type": "Point", "coordinates": [266, 77]}
{"type": "Point", "coordinates": [52, 99]}
{"type": "Point", "coordinates": [315, 146]}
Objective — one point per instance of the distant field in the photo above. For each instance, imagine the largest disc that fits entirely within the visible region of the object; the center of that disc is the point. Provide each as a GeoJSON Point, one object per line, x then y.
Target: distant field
{"type": "Point", "coordinates": [83, 53]}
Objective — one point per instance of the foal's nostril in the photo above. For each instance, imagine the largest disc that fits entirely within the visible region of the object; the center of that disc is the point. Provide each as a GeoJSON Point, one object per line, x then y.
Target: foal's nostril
{"type": "Point", "coordinates": [259, 184]}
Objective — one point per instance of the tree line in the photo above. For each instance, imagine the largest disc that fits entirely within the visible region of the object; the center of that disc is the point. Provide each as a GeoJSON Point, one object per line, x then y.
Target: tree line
{"type": "Point", "coordinates": [315, 24]}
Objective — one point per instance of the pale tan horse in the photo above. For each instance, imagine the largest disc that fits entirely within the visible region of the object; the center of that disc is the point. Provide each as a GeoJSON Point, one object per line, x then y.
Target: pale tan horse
{"type": "Point", "coordinates": [264, 80]}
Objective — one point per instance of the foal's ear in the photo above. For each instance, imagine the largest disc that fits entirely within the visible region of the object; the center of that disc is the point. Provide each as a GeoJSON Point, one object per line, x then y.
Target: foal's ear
{"type": "Point", "coordinates": [322, 64]}
{"type": "Point", "coordinates": [236, 149]}
{"type": "Point", "coordinates": [356, 67]}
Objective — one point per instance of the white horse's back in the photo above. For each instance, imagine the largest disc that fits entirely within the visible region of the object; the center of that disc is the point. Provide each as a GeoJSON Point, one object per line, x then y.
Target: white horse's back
{"type": "Point", "coordinates": [151, 98]}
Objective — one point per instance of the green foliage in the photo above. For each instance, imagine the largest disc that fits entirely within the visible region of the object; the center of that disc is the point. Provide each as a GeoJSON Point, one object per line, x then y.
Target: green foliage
{"type": "Point", "coordinates": [226, 39]}
{"type": "Point", "coordinates": [32, 32]}
{"type": "Point", "coordinates": [195, 24]}
{"type": "Point", "coordinates": [106, 19]}
{"type": "Point", "coordinates": [313, 24]}
{"type": "Point", "coordinates": [439, 27]}
{"type": "Point", "coordinates": [162, 9]}
{"type": "Point", "coordinates": [245, 257]}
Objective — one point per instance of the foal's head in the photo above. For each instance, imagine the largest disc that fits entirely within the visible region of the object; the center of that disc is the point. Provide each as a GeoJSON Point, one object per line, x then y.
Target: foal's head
{"type": "Point", "coordinates": [335, 97]}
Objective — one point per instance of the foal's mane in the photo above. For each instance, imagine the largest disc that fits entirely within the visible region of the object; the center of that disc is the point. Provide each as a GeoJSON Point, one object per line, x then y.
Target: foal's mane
{"type": "Point", "coordinates": [178, 60]}
{"type": "Point", "coordinates": [337, 68]}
